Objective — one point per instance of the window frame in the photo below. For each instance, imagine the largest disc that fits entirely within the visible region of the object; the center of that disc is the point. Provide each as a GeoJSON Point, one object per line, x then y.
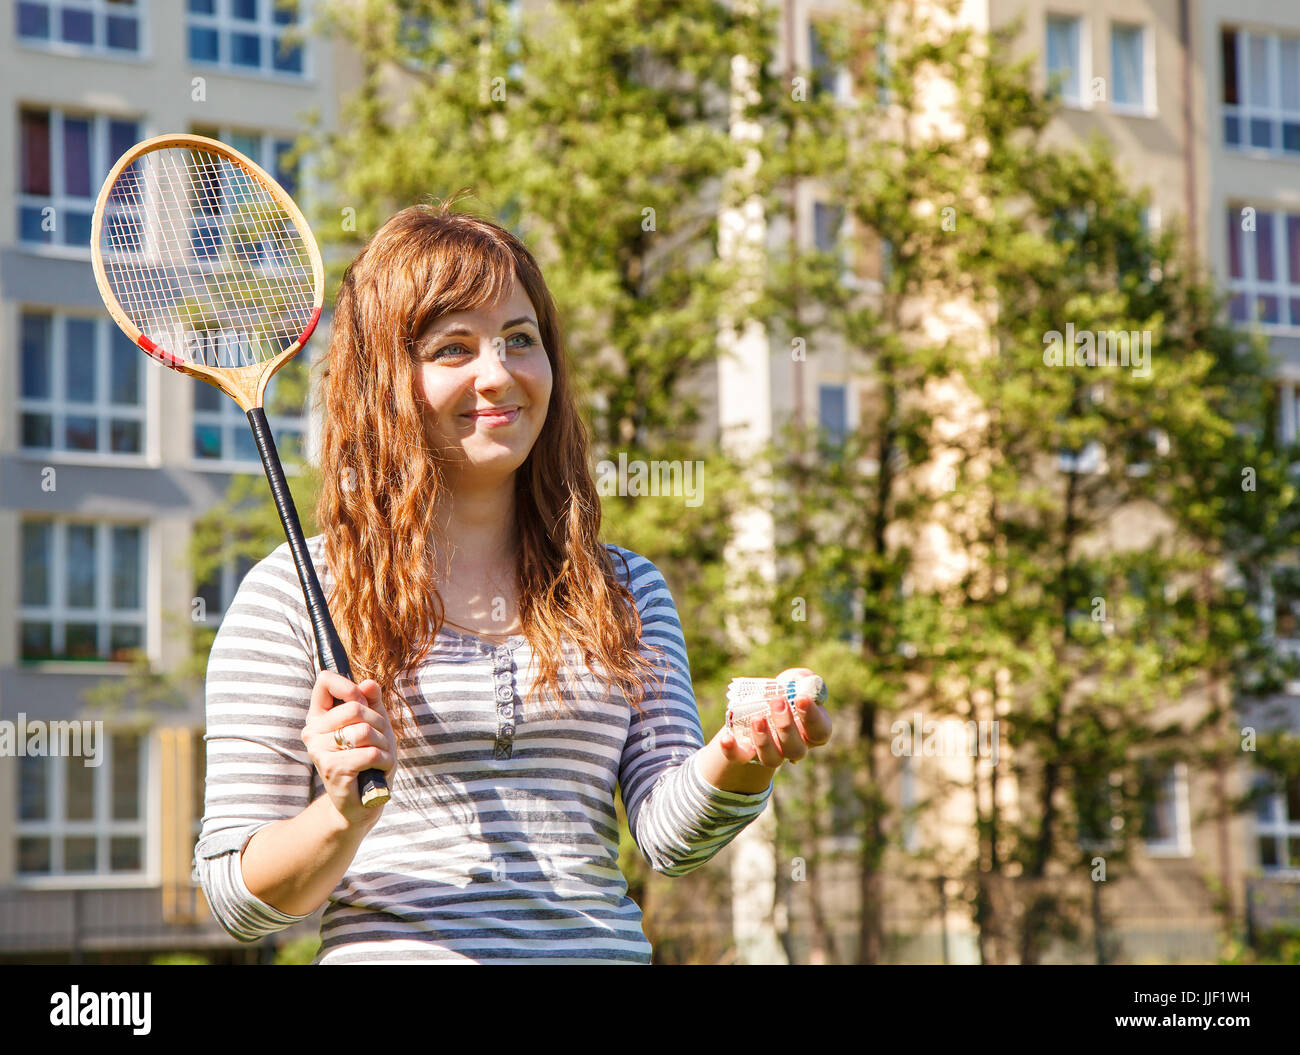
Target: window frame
{"type": "Point", "coordinates": [1284, 827]}
{"type": "Point", "coordinates": [265, 28]}
{"type": "Point", "coordinates": [1249, 285]}
{"type": "Point", "coordinates": [58, 613]}
{"type": "Point", "coordinates": [99, 11]}
{"type": "Point", "coordinates": [840, 80]}
{"type": "Point", "coordinates": [1083, 57]}
{"type": "Point", "coordinates": [843, 238]}
{"type": "Point", "coordinates": [1147, 106]}
{"type": "Point", "coordinates": [101, 409]}
{"type": "Point", "coordinates": [63, 204]}
{"type": "Point", "coordinates": [267, 142]}
{"type": "Point", "coordinates": [1244, 111]}
{"type": "Point", "coordinates": [1181, 843]}
{"type": "Point", "coordinates": [103, 827]}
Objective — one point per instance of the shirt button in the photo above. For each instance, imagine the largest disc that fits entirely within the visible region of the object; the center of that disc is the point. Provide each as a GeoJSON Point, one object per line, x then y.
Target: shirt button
{"type": "Point", "coordinates": [503, 675]}
{"type": "Point", "coordinates": [504, 693]}
{"type": "Point", "coordinates": [507, 731]}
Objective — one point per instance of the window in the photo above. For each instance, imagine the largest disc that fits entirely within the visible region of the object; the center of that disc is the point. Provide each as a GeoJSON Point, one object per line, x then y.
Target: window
{"type": "Point", "coordinates": [827, 220]}
{"type": "Point", "coordinates": [79, 819]}
{"type": "Point", "coordinates": [82, 385]}
{"type": "Point", "coordinates": [1261, 91]}
{"type": "Point", "coordinates": [1264, 266]}
{"type": "Point", "coordinates": [828, 226]}
{"type": "Point", "coordinates": [222, 434]}
{"type": "Point", "coordinates": [1065, 58]}
{"type": "Point", "coordinates": [1277, 824]}
{"type": "Point", "coordinates": [111, 26]}
{"type": "Point", "coordinates": [246, 35]}
{"type": "Point", "coordinates": [83, 589]}
{"type": "Point", "coordinates": [1128, 68]}
{"type": "Point", "coordinates": [833, 412]}
{"type": "Point", "coordinates": [1166, 827]}
{"type": "Point", "coordinates": [827, 78]}
{"type": "Point", "coordinates": [269, 151]}
{"type": "Point", "coordinates": [63, 160]}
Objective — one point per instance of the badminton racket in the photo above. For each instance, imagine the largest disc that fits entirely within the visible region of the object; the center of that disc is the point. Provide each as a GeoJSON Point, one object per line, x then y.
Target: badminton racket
{"type": "Point", "coordinates": [207, 264]}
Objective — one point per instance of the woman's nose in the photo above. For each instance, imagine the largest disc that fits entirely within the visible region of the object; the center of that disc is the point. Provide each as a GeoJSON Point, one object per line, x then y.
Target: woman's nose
{"type": "Point", "coordinates": [492, 361]}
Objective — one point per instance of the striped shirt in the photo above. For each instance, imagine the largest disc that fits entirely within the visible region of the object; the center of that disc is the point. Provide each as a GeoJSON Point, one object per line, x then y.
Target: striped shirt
{"type": "Point", "coordinates": [500, 842]}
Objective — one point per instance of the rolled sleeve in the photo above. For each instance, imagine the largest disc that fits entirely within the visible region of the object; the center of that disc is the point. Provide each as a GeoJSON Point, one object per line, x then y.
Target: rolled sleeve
{"type": "Point", "coordinates": [217, 870]}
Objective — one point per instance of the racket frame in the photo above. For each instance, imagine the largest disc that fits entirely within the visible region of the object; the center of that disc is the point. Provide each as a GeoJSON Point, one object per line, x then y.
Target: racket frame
{"type": "Point", "coordinates": [246, 385]}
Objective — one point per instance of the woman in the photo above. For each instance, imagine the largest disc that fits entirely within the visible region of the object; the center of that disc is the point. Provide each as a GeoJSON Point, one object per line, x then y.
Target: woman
{"type": "Point", "coordinates": [525, 670]}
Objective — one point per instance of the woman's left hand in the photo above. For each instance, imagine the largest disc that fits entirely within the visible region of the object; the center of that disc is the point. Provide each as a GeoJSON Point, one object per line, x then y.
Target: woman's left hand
{"type": "Point", "coordinates": [785, 737]}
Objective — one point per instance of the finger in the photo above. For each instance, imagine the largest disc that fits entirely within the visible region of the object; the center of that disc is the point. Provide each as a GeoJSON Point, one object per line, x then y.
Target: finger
{"type": "Point", "coordinates": [373, 693]}
{"type": "Point", "coordinates": [733, 750]}
{"type": "Point", "coordinates": [356, 735]}
{"type": "Point", "coordinates": [768, 752]}
{"type": "Point", "coordinates": [814, 722]}
{"type": "Point", "coordinates": [345, 714]}
{"type": "Point", "coordinates": [338, 763]}
{"type": "Point", "coordinates": [785, 730]}
{"type": "Point", "coordinates": [332, 688]}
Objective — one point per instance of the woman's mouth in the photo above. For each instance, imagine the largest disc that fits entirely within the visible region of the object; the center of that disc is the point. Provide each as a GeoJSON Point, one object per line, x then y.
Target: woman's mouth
{"type": "Point", "coordinates": [494, 418]}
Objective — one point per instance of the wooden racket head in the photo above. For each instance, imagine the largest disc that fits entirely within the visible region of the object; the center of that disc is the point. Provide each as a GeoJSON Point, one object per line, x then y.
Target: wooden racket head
{"type": "Point", "coordinates": [206, 262]}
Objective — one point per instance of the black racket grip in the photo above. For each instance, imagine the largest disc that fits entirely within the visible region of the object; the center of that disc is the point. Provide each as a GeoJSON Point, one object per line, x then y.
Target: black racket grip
{"type": "Point", "coordinates": [372, 785]}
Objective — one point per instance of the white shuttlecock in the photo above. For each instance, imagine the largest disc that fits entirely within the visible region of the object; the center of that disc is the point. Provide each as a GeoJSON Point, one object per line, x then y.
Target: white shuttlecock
{"type": "Point", "coordinates": [748, 698]}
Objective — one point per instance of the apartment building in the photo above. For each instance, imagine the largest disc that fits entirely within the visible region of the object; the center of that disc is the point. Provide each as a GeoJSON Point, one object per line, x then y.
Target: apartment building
{"type": "Point", "coordinates": [1200, 102]}
{"type": "Point", "coordinates": [1251, 117]}
{"type": "Point", "coordinates": [106, 459]}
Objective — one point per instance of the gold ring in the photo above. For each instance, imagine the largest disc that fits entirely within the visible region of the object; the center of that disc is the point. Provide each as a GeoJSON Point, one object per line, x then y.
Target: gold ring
{"type": "Point", "coordinates": [344, 743]}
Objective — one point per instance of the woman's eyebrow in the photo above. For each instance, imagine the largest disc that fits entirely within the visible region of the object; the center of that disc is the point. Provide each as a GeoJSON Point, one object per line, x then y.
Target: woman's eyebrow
{"type": "Point", "coordinates": [465, 331]}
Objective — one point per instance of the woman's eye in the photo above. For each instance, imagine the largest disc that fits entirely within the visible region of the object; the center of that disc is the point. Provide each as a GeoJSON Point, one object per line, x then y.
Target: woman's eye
{"type": "Point", "coordinates": [459, 349]}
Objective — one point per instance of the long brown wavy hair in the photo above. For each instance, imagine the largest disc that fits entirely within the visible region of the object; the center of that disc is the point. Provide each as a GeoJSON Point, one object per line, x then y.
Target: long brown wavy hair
{"type": "Point", "coordinates": [381, 481]}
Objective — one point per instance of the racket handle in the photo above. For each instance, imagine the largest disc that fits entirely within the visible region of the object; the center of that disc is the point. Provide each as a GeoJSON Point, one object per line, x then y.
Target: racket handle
{"type": "Point", "coordinates": [371, 784]}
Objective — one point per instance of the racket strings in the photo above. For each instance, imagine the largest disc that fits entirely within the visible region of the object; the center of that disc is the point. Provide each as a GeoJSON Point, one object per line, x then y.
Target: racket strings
{"type": "Point", "coordinates": [204, 260]}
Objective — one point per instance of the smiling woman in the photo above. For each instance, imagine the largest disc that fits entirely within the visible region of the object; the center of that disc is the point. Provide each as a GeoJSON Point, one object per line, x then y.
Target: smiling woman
{"type": "Point", "coordinates": [514, 673]}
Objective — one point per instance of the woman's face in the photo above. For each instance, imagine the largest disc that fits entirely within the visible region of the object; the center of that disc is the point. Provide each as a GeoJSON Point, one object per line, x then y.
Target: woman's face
{"type": "Point", "coordinates": [489, 359]}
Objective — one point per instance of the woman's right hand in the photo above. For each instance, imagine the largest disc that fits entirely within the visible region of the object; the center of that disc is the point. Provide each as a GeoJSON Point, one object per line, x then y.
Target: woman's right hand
{"type": "Point", "coordinates": [361, 714]}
